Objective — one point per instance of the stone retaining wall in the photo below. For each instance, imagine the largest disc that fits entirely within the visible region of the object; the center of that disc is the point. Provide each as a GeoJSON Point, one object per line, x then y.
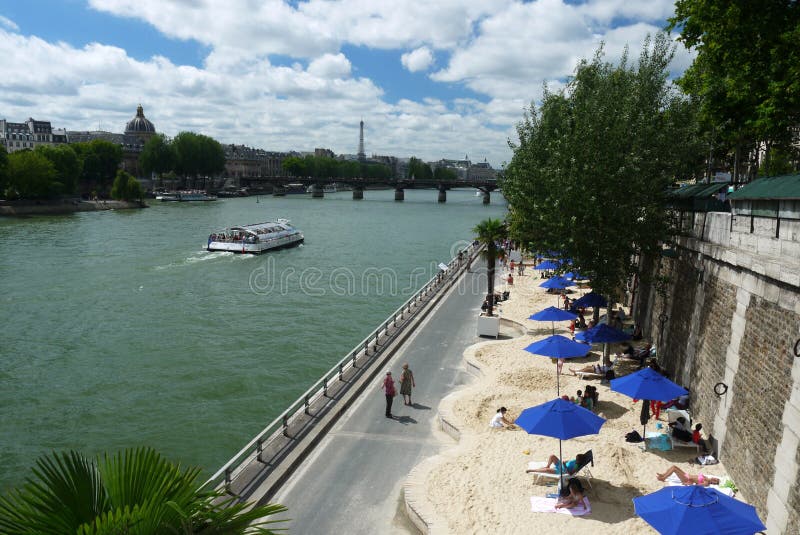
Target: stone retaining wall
{"type": "Point", "coordinates": [731, 314]}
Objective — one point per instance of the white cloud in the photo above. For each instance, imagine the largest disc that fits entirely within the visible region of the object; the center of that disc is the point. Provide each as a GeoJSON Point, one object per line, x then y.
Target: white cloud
{"type": "Point", "coordinates": [503, 50]}
{"type": "Point", "coordinates": [8, 23]}
{"type": "Point", "coordinates": [417, 60]}
{"type": "Point", "coordinates": [330, 66]}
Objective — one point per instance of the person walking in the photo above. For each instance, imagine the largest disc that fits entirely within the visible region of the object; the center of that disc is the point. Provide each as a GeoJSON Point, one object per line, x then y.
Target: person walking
{"type": "Point", "coordinates": [390, 392]}
{"type": "Point", "coordinates": [406, 382]}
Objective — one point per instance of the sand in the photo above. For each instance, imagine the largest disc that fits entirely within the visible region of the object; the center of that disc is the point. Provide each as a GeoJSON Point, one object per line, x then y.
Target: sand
{"type": "Point", "coordinates": [480, 484]}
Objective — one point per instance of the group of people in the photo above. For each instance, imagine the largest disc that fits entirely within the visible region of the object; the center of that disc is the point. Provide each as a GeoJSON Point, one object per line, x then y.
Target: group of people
{"type": "Point", "coordinates": [586, 398]}
{"type": "Point", "coordinates": [406, 384]}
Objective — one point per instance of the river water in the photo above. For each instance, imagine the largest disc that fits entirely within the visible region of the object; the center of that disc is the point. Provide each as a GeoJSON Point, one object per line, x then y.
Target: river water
{"type": "Point", "coordinates": [119, 329]}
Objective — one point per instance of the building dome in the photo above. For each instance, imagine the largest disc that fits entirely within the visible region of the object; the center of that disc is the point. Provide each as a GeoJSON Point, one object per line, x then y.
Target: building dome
{"type": "Point", "coordinates": [140, 125]}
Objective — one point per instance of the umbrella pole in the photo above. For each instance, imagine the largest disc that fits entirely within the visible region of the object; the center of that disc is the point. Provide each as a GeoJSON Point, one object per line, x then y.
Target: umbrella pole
{"type": "Point", "coordinates": [558, 383]}
{"type": "Point", "coordinates": [644, 431]}
{"type": "Point", "coordinates": [560, 468]}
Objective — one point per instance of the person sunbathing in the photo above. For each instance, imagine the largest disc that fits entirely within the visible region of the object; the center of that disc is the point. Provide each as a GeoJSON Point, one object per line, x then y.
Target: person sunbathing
{"type": "Point", "coordinates": [688, 479]}
{"type": "Point", "coordinates": [554, 466]}
{"type": "Point", "coordinates": [575, 496]}
{"type": "Point", "coordinates": [597, 369]}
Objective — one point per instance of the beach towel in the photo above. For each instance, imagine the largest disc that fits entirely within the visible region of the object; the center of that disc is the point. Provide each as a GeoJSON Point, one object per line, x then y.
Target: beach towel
{"type": "Point", "coordinates": [548, 505]}
{"type": "Point", "coordinates": [674, 481]}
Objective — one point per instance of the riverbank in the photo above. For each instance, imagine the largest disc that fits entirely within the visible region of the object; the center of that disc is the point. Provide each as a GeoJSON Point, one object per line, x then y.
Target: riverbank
{"type": "Point", "coordinates": [63, 206]}
{"type": "Point", "coordinates": [480, 485]}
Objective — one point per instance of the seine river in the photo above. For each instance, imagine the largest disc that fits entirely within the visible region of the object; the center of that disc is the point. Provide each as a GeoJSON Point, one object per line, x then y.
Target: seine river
{"type": "Point", "coordinates": [119, 329]}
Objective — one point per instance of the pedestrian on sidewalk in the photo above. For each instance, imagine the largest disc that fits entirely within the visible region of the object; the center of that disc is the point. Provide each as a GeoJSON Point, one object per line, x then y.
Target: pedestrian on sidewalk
{"type": "Point", "coordinates": [390, 392]}
{"type": "Point", "coordinates": [406, 382]}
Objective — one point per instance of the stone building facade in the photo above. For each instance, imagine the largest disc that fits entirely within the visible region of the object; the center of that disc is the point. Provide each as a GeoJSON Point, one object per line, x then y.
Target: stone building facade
{"type": "Point", "coordinates": [728, 328]}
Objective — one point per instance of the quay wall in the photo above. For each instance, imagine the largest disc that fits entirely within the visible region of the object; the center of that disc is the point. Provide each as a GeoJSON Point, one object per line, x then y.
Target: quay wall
{"type": "Point", "coordinates": [724, 312]}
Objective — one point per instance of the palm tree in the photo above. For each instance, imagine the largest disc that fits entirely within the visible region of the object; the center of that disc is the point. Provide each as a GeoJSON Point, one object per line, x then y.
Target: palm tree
{"type": "Point", "coordinates": [135, 492]}
{"type": "Point", "coordinates": [489, 232]}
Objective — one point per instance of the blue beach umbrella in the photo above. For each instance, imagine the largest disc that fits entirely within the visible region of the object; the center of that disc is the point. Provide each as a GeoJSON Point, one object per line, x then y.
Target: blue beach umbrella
{"type": "Point", "coordinates": [574, 276]}
{"type": "Point", "coordinates": [559, 347]}
{"type": "Point", "coordinates": [557, 283]}
{"type": "Point", "coordinates": [547, 265]}
{"type": "Point", "coordinates": [697, 510]}
{"type": "Point", "coordinates": [559, 419]}
{"type": "Point", "coordinates": [603, 333]}
{"type": "Point", "coordinates": [553, 314]}
{"type": "Point", "coordinates": [592, 300]}
{"type": "Point", "coordinates": [647, 384]}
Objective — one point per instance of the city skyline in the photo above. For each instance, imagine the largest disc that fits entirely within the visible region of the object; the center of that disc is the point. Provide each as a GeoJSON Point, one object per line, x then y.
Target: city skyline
{"type": "Point", "coordinates": [429, 80]}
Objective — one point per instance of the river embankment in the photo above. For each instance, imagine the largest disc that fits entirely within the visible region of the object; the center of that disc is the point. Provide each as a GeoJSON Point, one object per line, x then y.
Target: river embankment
{"type": "Point", "coordinates": [63, 206]}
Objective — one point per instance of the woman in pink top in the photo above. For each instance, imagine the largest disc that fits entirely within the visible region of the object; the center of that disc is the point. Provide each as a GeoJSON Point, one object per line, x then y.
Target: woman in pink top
{"type": "Point", "coordinates": [390, 392]}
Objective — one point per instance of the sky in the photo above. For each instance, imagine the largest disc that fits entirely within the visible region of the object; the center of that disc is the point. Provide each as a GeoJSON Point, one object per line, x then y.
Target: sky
{"type": "Point", "coordinates": [430, 78]}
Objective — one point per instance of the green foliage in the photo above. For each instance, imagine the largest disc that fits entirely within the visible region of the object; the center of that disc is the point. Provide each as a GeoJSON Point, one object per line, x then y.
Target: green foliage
{"type": "Point", "coordinates": [777, 162]}
{"type": "Point", "coordinates": [329, 168]}
{"type": "Point", "coordinates": [31, 176]}
{"type": "Point", "coordinates": [3, 169]}
{"type": "Point", "coordinates": [135, 492]}
{"type": "Point", "coordinates": [747, 69]}
{"type": "Point", "coordinates": [67, 164]}
{"type": "Point", "coordinates": [100, 160]}
{"type": "Point", "coordinates": [589, 174]}
{"type": "Point", "coordinates": [158, 155]}
{"type": "Point", "coordinates": [444, 174]}
{"type": "Point", "coordinates": [197, 155]}
{"type": "Point", "coordinates": [295, 166]}
{"type": "Point", "coordinates": [489, 232]}
{"type": "Point", "coordinates": [419, 169]}
{"type": "Point", "coordinates": [126, 187]}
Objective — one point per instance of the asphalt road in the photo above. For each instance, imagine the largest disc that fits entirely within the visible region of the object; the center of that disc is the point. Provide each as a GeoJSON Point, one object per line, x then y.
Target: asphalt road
{"type": "Point", "coordinates": [352, 482]}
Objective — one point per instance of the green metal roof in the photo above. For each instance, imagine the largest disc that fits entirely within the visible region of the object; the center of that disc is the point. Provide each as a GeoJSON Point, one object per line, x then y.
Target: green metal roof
{"type": "Point", "coordinates": [771, 187]}
{"type": "Point", "coordinates": [698, 191]}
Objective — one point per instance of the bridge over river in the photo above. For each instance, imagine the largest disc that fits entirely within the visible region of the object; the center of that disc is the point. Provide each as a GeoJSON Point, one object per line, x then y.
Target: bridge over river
{"type": "Point", "coordinates": [358, 185]}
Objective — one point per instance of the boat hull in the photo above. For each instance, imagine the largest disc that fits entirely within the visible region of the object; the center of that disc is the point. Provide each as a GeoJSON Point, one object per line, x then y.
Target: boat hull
{"type": "Point", "coordinates": [256, 248]}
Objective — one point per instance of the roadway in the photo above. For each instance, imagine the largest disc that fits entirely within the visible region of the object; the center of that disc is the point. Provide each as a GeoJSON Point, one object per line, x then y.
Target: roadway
{"type": "Point", "coordinates": [352, 482]}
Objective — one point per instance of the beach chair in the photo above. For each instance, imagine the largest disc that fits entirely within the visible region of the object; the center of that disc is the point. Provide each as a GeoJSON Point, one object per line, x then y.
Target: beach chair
{"type": "Point", "coordinates": [588, 459]}
{"type": "Point", "coordinates": [672, 417]}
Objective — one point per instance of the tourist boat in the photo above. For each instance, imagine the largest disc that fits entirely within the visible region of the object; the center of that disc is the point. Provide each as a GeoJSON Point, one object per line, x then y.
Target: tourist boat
{"type": "Point", "coordinates": [327, 188]}
{"type": "Point", "coordinates": [256, 238]}
{"type": "Point", "coordinates": [185, 196]}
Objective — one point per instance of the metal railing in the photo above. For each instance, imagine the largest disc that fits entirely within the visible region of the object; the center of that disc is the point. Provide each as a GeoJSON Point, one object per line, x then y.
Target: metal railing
{"type": "Point", "coordinates": [280, 425]}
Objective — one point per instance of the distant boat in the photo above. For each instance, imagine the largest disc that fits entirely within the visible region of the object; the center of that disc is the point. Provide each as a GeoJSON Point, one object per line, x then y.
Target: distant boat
{"type": "Point", "coordinates": [256, 238]}
{"type": "Point", "coordinates": [185, 196]}
{"type": "Point", "coordinates": [327, 188]}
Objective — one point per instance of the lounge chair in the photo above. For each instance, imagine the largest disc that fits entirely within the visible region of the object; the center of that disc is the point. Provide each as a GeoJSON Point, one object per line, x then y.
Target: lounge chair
{"type": "Point", "coordinates": [588, 458]}
{"type": "Point", "coordinates": [672, 417]}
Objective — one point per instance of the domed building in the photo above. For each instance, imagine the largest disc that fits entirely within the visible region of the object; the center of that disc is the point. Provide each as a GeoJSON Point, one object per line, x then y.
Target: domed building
{"type": "Point", "coordinates": [140, 126]}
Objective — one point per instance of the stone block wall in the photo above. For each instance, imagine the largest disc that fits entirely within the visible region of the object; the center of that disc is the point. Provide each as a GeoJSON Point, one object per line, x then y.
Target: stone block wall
{"type": "Point", "coordinates": [732, 310]}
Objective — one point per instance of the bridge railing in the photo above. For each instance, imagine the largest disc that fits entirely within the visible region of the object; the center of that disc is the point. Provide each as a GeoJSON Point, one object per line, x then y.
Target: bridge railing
{"type": "Point", "coordinates": [279, 426]}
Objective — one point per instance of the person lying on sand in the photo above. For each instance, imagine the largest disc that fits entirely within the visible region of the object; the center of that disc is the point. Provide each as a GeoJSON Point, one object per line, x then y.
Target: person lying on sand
{"type": "Point", "coordinates": [554, 466]}
{"type": "Point", "coordinates": [598, 369]}
{"type": "Point", "coordinates": [688, 479]}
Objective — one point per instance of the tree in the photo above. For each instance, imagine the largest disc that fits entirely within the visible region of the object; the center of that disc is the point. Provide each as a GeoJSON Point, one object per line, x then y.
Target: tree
{"type": "Point", "coordinates": [158, 155]}
{"type": "Point", "coordinates": [31, 176]}
{"type": "Point", "coordinates": [294, 166]}
{"type": "Point", "coordinates": [197, 155]}
{"type": "Point", "coordinates": [100, 160]}
{"type": "Point", "coordinates": [135, 492]}
{"type": "Point", "coordinates": [747, 70]}
{"type": "Point", "coordinates": [3, 170]}
{"type": "Point", "coordinates": [590, 171]}
{"type": "Point", "coordinates": [489, 232]}
{"type": "Point", "coordinates": [67, 164]}
{"type": "Point", "coordinates": [444, 174]}
{"type": "Point", "coordinates": [126, 187]}
{"type": "Point", "coordinates": [419, 169]}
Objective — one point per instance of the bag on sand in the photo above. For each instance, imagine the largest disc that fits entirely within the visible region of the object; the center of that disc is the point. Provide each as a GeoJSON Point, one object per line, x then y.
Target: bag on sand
{"type": "Point", "coordinates": [633, 436]}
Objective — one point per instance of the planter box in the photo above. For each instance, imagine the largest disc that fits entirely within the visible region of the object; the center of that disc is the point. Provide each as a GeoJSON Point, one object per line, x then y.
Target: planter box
{"type": "Point", "coordinates": [489, 326]}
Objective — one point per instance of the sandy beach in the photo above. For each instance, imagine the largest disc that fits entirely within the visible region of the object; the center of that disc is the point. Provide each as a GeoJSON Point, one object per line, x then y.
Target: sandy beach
{"type": "Point", "coordinates": [480, 486]}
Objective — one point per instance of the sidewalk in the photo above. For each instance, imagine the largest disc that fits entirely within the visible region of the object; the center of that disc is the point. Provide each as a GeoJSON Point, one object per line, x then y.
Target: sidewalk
{"type": "Point", "coordinates": [352, 482]}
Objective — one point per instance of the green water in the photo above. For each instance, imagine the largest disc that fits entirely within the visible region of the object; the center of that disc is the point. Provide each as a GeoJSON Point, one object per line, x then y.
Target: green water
{"type": "Point", "coordinates": [119, 329]}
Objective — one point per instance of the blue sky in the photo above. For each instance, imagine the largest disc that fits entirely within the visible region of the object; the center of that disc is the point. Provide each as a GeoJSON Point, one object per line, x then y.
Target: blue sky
{"type": "Point", "coordinates": [431, 79]}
